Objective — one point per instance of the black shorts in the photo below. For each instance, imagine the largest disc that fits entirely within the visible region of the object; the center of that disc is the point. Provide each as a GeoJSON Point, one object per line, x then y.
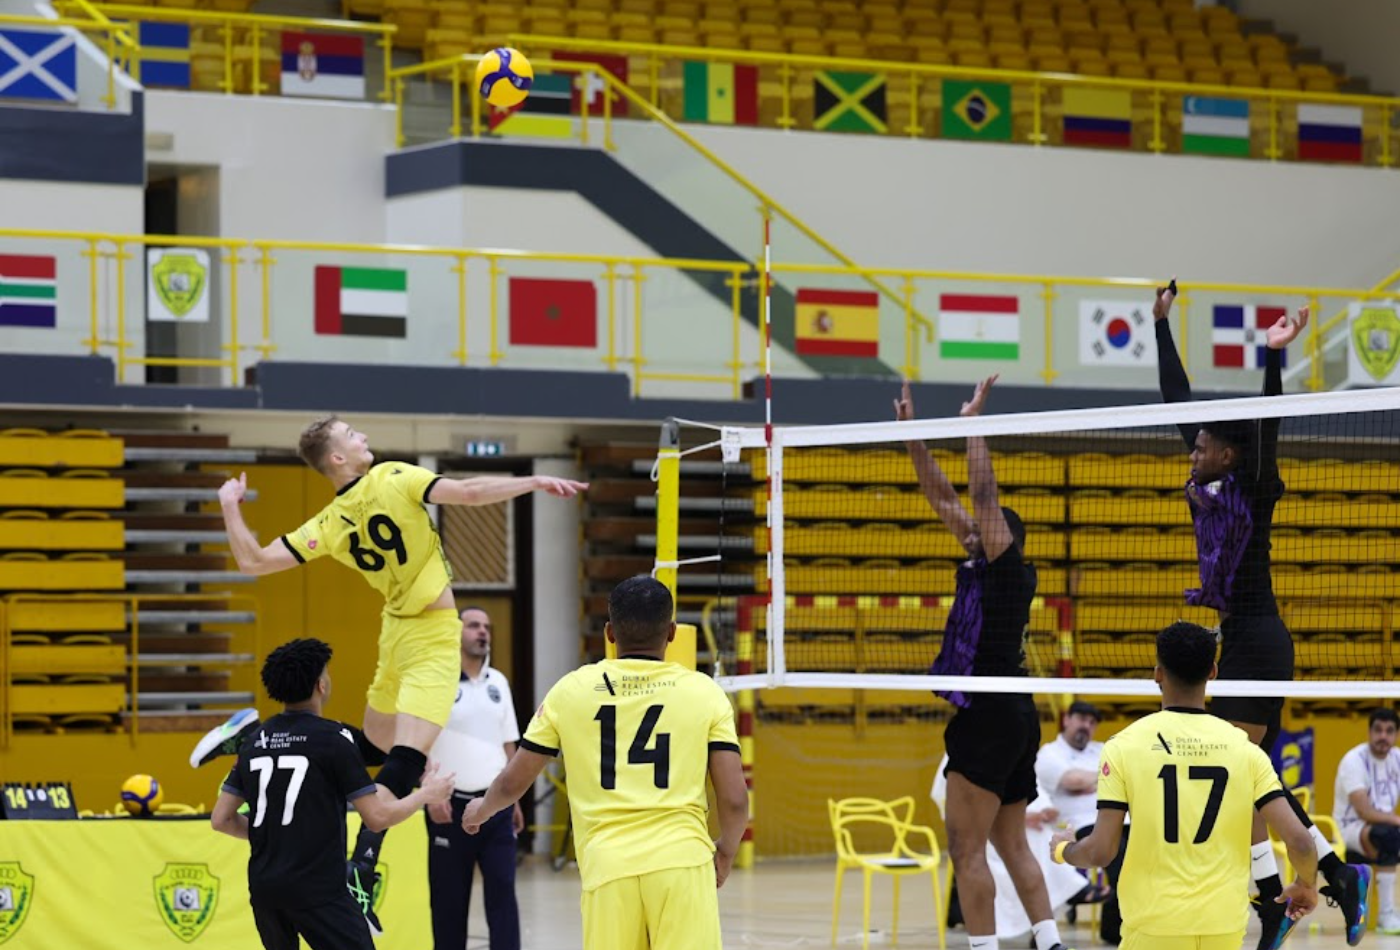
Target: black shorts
{"type": "Point", "coordinates": [993, 743]}
{"type": "Point", "coordinates": [338, 925]}
{"type": "Point", "coordinates": [1254, 648]}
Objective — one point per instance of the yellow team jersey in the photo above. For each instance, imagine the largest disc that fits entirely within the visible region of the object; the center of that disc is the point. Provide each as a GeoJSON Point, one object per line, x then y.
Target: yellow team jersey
{"type": "Point", "coordinates": [636, 735]}
{"type": "Point", "coordinates": [378, 525]}
{"type": "Point", "coordinates": [1192, 783]}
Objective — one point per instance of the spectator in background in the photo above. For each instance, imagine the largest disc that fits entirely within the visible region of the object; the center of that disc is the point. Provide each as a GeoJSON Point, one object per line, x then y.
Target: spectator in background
{"type": "Point", "coordinates": [477, 742]}
{"type": "Point", "coordinates": [1367, 790]}
{"type": "Point", "coordinates": [1068, 770]}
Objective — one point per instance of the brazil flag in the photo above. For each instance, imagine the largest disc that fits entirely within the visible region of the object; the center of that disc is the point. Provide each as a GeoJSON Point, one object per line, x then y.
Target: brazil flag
{"type": "Point", "coordinates": [976, 110]}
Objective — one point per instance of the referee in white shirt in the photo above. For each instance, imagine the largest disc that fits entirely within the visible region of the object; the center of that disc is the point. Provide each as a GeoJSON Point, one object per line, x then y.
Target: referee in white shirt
{"type": "Point", "coordinates": [477, 742]}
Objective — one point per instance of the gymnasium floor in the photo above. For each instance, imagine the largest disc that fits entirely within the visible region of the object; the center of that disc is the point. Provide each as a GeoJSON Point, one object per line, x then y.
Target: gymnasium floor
{"type": "Point", "coordinates": [788, 904]}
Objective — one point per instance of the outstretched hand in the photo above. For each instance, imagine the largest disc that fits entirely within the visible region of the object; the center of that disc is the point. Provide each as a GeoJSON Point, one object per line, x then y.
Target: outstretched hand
{"type": "Point", "coordinates": [1286, 329]}
{"type": "Point", "coordinates": [559, 487]}
{"type": "Point", "coordinates": [1300, 900]}
{"type": "Point", "coordinates": [1162, 306]}
{"type": "Point", "coordinates": [904, 405]}
{"type": "Point", "coordinates": [233, 491]}
{"type": "Point", "coordinates": [973, 407]}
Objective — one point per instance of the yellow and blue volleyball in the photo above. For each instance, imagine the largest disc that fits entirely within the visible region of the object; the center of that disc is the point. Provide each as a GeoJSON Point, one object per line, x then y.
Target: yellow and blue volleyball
{"type": "Point", "coordinates": [504, 77]}
{"type": "Point", "coordinates": [141, 795]}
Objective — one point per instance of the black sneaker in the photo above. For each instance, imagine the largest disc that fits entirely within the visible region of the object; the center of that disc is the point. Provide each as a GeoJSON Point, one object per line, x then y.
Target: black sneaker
{"type": "Point", "coordinates": [360, 881]}
{"type": "Point", "coordinates": [1350, 889]}
{"type": "Point", "coordinates": [1274, 923]}
{"type": "Point", "coordinates": [226, 738]}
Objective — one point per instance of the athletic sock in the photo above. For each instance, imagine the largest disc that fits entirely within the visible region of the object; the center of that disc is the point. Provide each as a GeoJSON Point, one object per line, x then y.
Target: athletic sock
{"type": "Point", "coordinates": [1047, 935]}
{"type": "Point", "coordinates": [1327, 858]}
{"type": "Point", "coordinates": [367, 847]}
{"type": "Point", "coordinates": [983, 943]}
{"type": "Point", "coordinates": [1263, 868]}
{"type": "Point", "coordinates": [1385, 889]}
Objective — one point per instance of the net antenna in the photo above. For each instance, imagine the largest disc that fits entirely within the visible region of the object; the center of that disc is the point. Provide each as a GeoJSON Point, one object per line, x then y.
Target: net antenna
{"type": "Point", "coordinates": [1109, 528]}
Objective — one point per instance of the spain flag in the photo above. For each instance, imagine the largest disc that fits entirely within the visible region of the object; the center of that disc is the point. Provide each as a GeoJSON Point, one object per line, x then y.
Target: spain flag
{"type": "Point", "coordinates": [838, 323]}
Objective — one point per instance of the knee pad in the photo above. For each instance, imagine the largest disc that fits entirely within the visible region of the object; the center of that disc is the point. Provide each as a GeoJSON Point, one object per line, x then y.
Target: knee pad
{"type": "Point", "coordinates": [403, 767]}
{"type": "Point", "coordinates": [1386, 838]}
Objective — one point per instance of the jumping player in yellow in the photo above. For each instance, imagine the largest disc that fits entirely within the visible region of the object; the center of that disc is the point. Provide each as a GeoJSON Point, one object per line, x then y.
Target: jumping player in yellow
{"type": "Point", "coordinates": [378, 525]}
{"type": "Point", "coordinates": [639, 735]}
{"type": "Point", "coordinates": [1192, 784]}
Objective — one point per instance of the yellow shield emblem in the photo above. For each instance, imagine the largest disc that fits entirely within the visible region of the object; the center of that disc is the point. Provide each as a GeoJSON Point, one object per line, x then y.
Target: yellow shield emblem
{"type": "Point", "coordinates": [186, 896]}
{"type": "Point", "coordinates": [16, 897]}
{"type": "Point", "coordinates": [1375, 338]}
{"type": "Point", "coordinates": [179, 280]}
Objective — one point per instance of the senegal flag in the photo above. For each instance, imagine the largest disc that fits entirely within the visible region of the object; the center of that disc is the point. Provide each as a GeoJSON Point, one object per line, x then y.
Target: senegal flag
{"type": "Point", "coordinates": [721, 94]}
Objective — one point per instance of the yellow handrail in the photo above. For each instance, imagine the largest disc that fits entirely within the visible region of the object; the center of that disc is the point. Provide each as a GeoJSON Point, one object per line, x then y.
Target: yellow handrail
{"type": "Point", "coordinates": [383, 33]}
{"type": "Point", "coordinates": [1323, 328]}
{"type": "Point", "coordinates": [767, 202]}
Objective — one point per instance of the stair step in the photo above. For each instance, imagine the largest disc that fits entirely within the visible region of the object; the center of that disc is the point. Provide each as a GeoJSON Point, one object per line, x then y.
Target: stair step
{"type": "Point", "coordinates": [740, 505]}
{"type": "Point", "coordinates": [156, 439]}
{"type": "Point", "coordinates": [188, 577]}
{"type": "Point", "coordinates": [192, 697]}
{"type": "Point", "coordinates": [710, 544]}
{"type": "Point", "coordinates": [159, 536]}
{"type": "Point", "coordinates": [192, 659]}
{"type": "Point", "coordinates": [196, 616]}
{"type": "Point", "coordinates": [179, 494]}
{"type": "Point", "coordinates": [185, 454]}
{"type": "Point", "coordinates": [154, 478]}
{"type": "Point", "coordinates": [643, 467]}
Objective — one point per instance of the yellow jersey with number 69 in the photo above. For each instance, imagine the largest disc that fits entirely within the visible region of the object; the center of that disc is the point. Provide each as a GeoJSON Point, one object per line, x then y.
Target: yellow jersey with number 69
{"type": "Point", "coordinates": [1192, 783]}
{"type": "Point", "coordinates": [379, 526]}
{"type": "Point", "coordinates": [636, 734]}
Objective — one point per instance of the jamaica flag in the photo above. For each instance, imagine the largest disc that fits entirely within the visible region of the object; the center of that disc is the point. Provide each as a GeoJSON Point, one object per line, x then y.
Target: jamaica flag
{"type": "Point", "coordinates": [849, 102]}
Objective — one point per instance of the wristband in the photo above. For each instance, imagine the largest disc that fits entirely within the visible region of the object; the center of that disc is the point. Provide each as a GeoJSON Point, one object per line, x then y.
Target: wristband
{"type": "Point", "coordinates": [1060, 851]}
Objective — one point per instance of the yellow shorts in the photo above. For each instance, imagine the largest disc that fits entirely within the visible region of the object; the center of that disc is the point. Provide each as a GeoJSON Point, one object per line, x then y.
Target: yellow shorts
{"type": "Point", "coordinates": [1141, 941]}
{"type": "Point", "coordinates": [676, 909]}
{"type": "Point", "coordinates": [420, 664]}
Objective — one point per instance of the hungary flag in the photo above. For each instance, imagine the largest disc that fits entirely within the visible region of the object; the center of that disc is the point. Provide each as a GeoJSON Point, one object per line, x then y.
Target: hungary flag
{"type": "Point", "coordinates": [361, 301]}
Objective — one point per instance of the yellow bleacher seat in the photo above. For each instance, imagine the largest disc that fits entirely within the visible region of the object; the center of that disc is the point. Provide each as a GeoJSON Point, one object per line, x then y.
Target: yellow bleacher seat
{"type": "Point", "coordinates": [35, 531]}
{"type": "Point", "coordinates": [764, 44]}
{"type": "Point", "coordinates": [809, 46]}
{"type": "Point", "coordinates": [1280, 80]}
{"type": "Point", "coordinates": [78, 448]}
{"type": "Point", "coordinates": [1018, 61]}
{"type": "Point", "coordinates": [79, 488]}
{"type": "Point", "coordinates": [809, 19]}
{"type": "Point", "coordinates": [762, 14]}
{"type": "Point", "coordinates": [1321, 84]}
{"type": "Point", "coordinates": [603, 31]}
{"type": "Point", "coordinates": [973, 59]}
{"type": "Point", "coordinates": [55, 699]}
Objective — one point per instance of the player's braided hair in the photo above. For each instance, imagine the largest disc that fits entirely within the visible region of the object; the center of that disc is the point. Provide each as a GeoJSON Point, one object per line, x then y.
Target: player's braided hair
{"type": "Point", "coordinates": [640, 610]}
{"type": "Point", "coordinates": [315, 442]}
{"type": "Point", "coordinates": [290, 672]}
{"type": "Point", "coordinates": [1187, 652]}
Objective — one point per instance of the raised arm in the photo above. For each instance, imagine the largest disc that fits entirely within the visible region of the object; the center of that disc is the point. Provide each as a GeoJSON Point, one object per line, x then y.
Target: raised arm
{"type": "Point", "coordinates": [252, 557]}
{"type": "Point", "coordinates": [1171, 375]}
{"type": "Point", "coordinates": [491, 489]}
{"type": "Point", "coordinates": [982, 482]}
{"type": "Point", "coordinates": [1278, 336]}
{"type": "Point", "coordinates": [935, 485]}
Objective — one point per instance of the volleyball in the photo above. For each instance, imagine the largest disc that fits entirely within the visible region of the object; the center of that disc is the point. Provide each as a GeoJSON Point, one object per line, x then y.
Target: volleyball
{"type": "Point", "coordinates": [141, 795]}
{"type": "Point", "coordinates": [504, 77]}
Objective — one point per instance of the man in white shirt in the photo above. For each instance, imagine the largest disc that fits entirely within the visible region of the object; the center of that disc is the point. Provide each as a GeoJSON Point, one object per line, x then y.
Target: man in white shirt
{"type": "Point", "coordinates": [1367, 790]}
{"type": "Point", "coordinates": [1068, 770]}
{"type": "Point", "coordinates": [478, 741]}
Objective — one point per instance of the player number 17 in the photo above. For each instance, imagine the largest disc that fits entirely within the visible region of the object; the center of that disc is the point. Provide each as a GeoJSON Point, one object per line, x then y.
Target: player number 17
{"type": "Point", "coordinates": [1217, 775]}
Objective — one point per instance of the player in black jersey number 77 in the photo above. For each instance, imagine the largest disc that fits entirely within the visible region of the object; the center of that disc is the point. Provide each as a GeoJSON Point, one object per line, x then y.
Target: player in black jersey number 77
{"type": "Point", "coordinates": [296, 773]}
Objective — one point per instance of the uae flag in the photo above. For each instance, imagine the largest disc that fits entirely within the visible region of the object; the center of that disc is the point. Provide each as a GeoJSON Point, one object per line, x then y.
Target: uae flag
{"type": "Point", "coordinates": [361, 301]}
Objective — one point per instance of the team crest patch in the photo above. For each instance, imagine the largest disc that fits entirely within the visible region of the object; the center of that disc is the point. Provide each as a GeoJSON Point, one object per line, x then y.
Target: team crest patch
{"type": "Point", "coordinates": [16, 896]}
{"type": "Point", "coordinates": [1376, 339]}
{"type": "Point", "coordinates": [494, 693]}
{"type": "Point", "coordinates": [179, 281]}
{"type": "Point", "coordinates": [186, 897]}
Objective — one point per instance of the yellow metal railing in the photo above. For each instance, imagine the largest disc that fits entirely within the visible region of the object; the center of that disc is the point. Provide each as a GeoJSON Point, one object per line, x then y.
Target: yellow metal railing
{"type": "Point", "coordinates": [1324, 329]}
{"type": "Point", "coordinates": [237, 31]}
{"type": "Point", "coordinates": [110, 258]}
{"type": "Point", "coordinates": [463, 67]}
{"type": "Point", "coordinates": [132, 605]}
{"type": "Point", "coordinates": [1160, 96]}
{"type": "Point", "coordinates": [114, 39]}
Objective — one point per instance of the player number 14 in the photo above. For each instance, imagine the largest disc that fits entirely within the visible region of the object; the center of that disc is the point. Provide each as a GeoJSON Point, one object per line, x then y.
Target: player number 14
{"type": "Point", "coordinates": [659, 757]}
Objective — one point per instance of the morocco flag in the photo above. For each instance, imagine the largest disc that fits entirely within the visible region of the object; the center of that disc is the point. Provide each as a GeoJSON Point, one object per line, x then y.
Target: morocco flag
{"type": "Point", "coordinates": [553, 312]}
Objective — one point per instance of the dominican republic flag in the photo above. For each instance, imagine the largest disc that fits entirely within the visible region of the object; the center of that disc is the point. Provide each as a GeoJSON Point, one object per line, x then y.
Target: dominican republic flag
{"type": "Point", "coordinates": [361, 301]}
{"type": "Point", "coordinates": [1238, 335]}
{"type": "Point", "coordinates": [28, 291]}
{"type": "Point", "coordinates": [321, 64]}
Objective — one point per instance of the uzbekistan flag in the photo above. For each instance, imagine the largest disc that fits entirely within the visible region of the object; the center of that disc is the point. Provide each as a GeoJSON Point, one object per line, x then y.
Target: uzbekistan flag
{"type": "Point", "coordinates": [978, 327]}
{"type": "Point", "coordinates": [1238, 335]}
{"type": "Point", "coordinates": [28, 291]}
{"type": "Point", "coordinates": [320, 64]}
{"type": "Point", "coordinates": [838, 323]}
{"type": "Point", "coordinates": [1102, 117]}
{"type": "Point", "coordinates": [1329, 133]}
{"type": "Point", "coordinates": [361, 301]}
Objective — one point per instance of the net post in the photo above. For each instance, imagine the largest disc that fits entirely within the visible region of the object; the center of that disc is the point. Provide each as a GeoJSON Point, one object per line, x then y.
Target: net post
{"type": "Point", "coordinates": [743, 665]}
{"type": "Point", "coordinates": [668, 494]}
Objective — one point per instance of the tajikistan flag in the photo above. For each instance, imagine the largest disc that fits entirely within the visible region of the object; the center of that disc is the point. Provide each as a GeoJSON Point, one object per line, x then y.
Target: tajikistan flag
{"type": "Point", "coordinates": [361, 301]}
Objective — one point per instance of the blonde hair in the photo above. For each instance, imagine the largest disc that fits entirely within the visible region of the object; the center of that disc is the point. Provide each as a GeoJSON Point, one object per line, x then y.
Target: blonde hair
{"type": "Point", "coordinates": [315, 442]}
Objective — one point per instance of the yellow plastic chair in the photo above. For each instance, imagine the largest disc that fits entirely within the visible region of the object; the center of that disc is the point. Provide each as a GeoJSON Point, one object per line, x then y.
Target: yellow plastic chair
{"type": "Point", "coordinates": [866, 816]}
